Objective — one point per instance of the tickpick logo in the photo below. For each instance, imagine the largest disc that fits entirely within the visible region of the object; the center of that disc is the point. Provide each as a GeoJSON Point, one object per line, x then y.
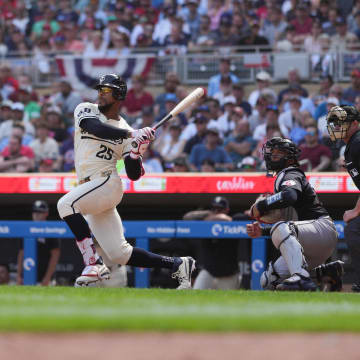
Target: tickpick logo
{"type": "Point", "coordinates": [257, 265]}
{"type": "Point", "coordinates": [29, 263]}
{"type": "Point", "coordinates": [216, 229]}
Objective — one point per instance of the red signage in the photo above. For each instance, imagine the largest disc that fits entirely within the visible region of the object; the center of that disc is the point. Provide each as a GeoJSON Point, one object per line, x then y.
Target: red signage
{"type": "Point", "coordinates": [175, 183]}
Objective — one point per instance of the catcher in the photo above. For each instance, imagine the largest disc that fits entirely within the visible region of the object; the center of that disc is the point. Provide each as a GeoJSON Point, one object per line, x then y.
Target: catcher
{"type": "Point", "coordinates": [305, 243]}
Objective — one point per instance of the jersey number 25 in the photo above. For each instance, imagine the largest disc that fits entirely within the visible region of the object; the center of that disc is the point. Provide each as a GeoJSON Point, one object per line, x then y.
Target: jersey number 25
{"type": "Point", "coordinates": [105, 153]}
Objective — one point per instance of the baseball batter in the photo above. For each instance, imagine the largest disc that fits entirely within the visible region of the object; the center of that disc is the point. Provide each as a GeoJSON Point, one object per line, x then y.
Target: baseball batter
{"type": "Point", "coordinates": [303, 244]}
{"type": "Point", "coordinates": [101, 138]}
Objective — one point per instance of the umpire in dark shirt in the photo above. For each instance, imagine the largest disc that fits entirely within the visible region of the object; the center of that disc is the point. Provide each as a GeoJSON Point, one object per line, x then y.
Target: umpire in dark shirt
{"type": "Point", "coordinates": [48, 250]}
{"type": "Point", "coordinates": [343, 124]}
{"type": "Point", "coordinates": [220, 268]}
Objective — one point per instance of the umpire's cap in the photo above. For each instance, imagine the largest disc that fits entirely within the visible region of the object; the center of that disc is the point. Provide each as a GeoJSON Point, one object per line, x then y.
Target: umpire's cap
{"type": "Point", "coordinates": [115, 82]}
{"type": "Point", "coordinates": [219, 202]}
{"type": "Point", "coordinates": [40, 206]}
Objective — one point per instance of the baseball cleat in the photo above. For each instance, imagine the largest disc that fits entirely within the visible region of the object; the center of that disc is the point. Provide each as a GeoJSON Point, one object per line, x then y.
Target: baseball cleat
{"type": "Point", "coordinates": [92, 274]}
{"type": "Point", "coordinates": [182, 272]}
{"type": "Point", "coordinates": [329, 276]}
{"type": "Point", "coordinates": [297, 282]}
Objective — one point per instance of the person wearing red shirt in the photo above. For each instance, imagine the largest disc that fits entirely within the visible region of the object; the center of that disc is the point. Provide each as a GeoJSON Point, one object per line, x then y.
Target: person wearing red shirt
{"type": "Point", "coordinates": [137, 97]}
{"type": "Point", "coordinates": [16, 157]}
{"type": "Point", "coordinates": [302, 22]}
{"type": "Point", "coordinates": [314, 156]}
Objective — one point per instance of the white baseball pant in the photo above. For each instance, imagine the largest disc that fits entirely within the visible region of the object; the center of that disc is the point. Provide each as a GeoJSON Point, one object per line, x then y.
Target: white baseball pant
{"type": "Point", "coordinates": [96, 200]}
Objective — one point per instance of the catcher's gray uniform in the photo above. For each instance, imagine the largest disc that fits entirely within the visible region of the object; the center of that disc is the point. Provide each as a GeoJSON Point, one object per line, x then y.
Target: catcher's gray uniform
{"type": "Point", "coordinates": [315, 231]}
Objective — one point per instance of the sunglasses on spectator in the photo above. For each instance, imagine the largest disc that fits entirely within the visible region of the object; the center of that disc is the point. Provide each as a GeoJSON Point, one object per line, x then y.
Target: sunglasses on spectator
{"type": "Point", "coordinates": [104, 90]}
{"type": "Point", "coordinates": [311, 133]}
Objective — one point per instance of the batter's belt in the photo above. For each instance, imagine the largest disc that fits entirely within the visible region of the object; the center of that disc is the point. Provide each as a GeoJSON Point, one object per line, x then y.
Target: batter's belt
{"type": "Point", "coordinates": [89, 178]}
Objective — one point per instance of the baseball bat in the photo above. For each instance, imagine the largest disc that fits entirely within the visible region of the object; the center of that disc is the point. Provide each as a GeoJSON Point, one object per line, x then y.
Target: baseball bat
{"type": "Point", "coordinates": [181, 106]}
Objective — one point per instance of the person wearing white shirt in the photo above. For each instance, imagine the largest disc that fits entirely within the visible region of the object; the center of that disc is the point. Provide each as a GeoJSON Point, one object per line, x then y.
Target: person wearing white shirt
{"type": "Point", "coordinates": [96, 46]}
{"type": "Point", "coordinates": [263, 80]}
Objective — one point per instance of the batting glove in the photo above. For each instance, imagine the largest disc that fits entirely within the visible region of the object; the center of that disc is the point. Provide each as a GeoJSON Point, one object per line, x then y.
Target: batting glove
{"type": "Point", "coordinates": [146, 133]}
{"type": "Point", "coordinates": [140, 148]}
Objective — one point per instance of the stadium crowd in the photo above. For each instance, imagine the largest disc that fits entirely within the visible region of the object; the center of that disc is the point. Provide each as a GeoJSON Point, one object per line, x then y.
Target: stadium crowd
{"type": "Point", "coordinates": [225, 132]}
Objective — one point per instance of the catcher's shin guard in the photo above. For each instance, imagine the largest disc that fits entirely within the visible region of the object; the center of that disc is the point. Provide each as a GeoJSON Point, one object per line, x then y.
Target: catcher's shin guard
{"type": "Point", "coordinates": [329, 276]}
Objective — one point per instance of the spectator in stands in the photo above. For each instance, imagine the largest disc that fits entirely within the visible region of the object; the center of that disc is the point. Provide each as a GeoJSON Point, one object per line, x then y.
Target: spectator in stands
{"type": "Point", "coordinates": [66, 158]}
{"type": "Point", "coordinates": [263, 80]}
{"type": "Point", "coordinates": [171, 83]}
{"type": "Point", "coordinates": [306, 103]}
{"type": "Point", "coordinates": [44, 147]}
{"type": "Point", "coordinates": [151, 162]}
{"type": "Point", "coordinates": [191, 16]}
{"type": "Point", "coordinates": [137, 98]}
{"type": "Point", "coordinates": [216, 8]}
{"type": "Point", "coordinates": [239, 94]}
{"type": "Point", "coordinates": [253, 39]}
{"type": "Point", "coordinates": [339, 41]}
{"type": "Point", "coordinates": [47, 21]}
{"type": "Point", "coordinates": [225, 95]}
{"type": "Point", "coordinates": [220, 268]}
{"type": "Point", "coordinates": [272, 119]}
{"type": "Point", "coordinates": [176, 42]}
{"type": "Point", "coordinates": [16, 157]}
{"type": "Point", "coordinates": [210, 150]}
{"type": "Point", "coordinates": [181, 164]}
{"type": "Point", "coordinates": [146, 119]}
{"type": "Point", "coordinates": [17, 114]}
{"type": "Point", "coordinates": [48, 250]}
{"type": "Point", "coordinates": [354, 90]}
{"type": "Point", "coordinates": [318, 155]}
{"type": "Point", "coordinates": [298, 130]}
{"type": "Point", "coordinates": [326, 81]}
{"type": "Point", "coordinates": [273, 25]}
{"type": "Point", "coordinates": [303, 21]}
{"type": "Point", "coordinates": [170, 102]}
{"type": "Point", "coordinates": [56, 124]}
{"type": "Point", "coordinates": [74, 43]}
{"type": "Point", "coordinates": [240, 26]}
{"type": "Point", "coordinates": [222, 36]}
{"type": "Point", "coordinates": [293, 78]}
{"type": "Point", "coordinates": [119, 45]}
{"type": "Point", "coordinates": [322, 12]}
{"type": "Point", "coordinates": [67, 99]}
{"type": "Point", "coordinates": [22, 18]}
{"type": "Point", "coordinates": [225, 122]}
{"type": "Point", "coordinates": [200, 122]}
{"type": "Point", "coordinates": [18, 129]}
{"type": "Point", "coordinates": [5, 111]}
{"type": "Point", "coordinates": [240, 142]}
{"type": "Point", "coordinates": [204, 35]}
{"type": "Point", "coordinates": [32, 108]}
{"type": "Point", "coordinates": [322, 123]}
{"type": "Point", "coordinates": [248, 164]}
{"type": "Point", "coordinates": [66, 12]}
{"type": "Point", "coordinates": [208, 165]}
{"type": "Point", "coordinates": [224, 70]}
{"type": "Point", "coordinates": [292, 116]}
{"type": "Point", "coordinates": [8, 83]}
{"type": "Point", "coordinates": [329, 26]}
{"type": "Point", "coordinates": [258, 116]}
{"type": "Point", "coordinates": [351, 18]}
{"type": "Point", "coordinates": [171, 146]}
{"type": "Point", "coordinates": [15, 40]}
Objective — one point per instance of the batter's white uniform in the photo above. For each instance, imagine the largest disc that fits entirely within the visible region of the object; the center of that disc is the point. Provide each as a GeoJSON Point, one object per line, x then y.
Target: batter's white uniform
{"type": "Point", "coordinates": [100, 188]}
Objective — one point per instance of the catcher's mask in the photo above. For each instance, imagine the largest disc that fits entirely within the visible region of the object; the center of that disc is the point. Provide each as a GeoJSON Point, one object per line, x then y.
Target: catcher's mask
{"type": "Point", "coordinates": [289, 148]}
{"type": "Point", "coordinates": [115, 82]}
{"type": "Point", "coordinates": [339, 119]}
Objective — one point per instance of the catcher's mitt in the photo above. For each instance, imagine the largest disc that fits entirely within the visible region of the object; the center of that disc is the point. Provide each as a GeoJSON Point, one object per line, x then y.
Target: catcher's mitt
{"type": "Point", "coordinates": [271, 216]}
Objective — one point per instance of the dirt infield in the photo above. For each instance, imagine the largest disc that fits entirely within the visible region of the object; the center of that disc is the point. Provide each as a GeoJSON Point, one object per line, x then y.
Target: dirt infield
{"type": "Point", "coordinates": [179, 346]}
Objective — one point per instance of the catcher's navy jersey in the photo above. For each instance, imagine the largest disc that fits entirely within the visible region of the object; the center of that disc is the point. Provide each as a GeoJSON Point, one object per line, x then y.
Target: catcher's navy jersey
{"type": "Point", "coordinates": [352, 158]}
{"type": "Point", "coordinates": [307, 205]}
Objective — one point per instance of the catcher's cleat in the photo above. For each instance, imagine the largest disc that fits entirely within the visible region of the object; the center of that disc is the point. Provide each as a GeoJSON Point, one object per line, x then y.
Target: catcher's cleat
{"type": "Point", "coordinates": [182, 271]}
{"type": "Point", "coordinates": [329, 276]}
{"type": "Point", "coordinates": [93, 274]}
{"type": "Point", "coordinates": [297, 282]}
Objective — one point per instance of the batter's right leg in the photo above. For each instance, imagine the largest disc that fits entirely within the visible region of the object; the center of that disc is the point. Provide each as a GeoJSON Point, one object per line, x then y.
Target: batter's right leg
{"type": "Point", "coordinates": [352, 238]}
{"type": "Point", "coordinates": [108, 230]}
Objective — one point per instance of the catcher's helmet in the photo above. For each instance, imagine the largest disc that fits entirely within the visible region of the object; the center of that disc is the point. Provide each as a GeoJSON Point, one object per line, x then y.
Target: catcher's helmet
{"type": "Point", "coordinates": [287, 146]}
{"type": "Point", "coordinates": [339, 119]}
{"type": "Point", "coordinates": [116, 83]}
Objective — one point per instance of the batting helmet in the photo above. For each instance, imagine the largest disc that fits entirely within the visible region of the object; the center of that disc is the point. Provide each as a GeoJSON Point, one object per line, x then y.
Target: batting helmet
{"type": "Point", "coordinates": [116, 83]}
{"type": "Point", "coordinates": [287, 146]}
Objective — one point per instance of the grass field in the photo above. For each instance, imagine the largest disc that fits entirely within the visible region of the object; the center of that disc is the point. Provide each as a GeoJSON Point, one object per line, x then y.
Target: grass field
{"type": "Point", "coordinates": [89, 309]}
